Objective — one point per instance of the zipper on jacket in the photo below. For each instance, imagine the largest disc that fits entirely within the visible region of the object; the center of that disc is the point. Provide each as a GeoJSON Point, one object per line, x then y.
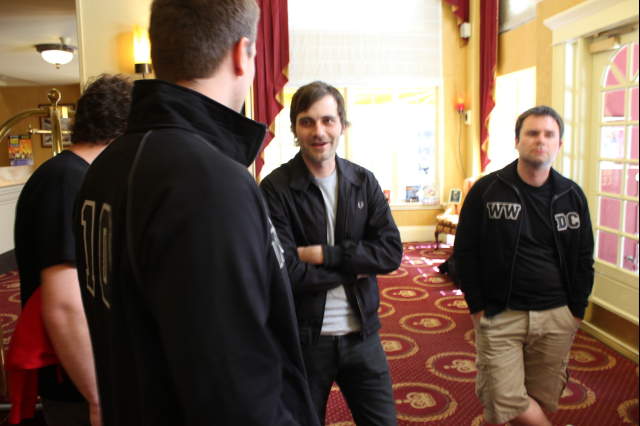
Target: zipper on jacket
{"type": "Point", "coordinates": [351, 289]}
{"type": "Point", "coordinates": [557, 243]}
{"type": "Point", "coordinates": [515, 249]}
{"type": "Point", "coordinates": [360, 312]}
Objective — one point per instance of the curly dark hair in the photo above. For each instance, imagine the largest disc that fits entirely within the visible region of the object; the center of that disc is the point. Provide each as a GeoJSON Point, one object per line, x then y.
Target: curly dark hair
{"type": "Point", "coordinates": [103, 109]}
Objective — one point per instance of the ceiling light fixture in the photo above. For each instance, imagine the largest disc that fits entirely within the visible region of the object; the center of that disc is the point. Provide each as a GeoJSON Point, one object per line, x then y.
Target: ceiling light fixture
{"type": "Point", "coordinates": [56, 53]}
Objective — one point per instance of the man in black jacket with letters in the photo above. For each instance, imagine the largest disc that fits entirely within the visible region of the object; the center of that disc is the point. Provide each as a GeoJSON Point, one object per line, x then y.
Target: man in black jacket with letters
{"type": "Point", "coordinates": [524, 258]}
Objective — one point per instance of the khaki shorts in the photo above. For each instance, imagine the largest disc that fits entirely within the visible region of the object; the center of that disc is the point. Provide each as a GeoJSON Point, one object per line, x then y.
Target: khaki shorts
{"type": "Point", "coordinates": [522, 354]}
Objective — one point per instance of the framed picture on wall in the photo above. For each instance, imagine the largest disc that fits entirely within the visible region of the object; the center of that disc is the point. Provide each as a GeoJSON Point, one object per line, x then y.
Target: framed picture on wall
{"type": "Point", "coordinates": [65, 124]}
{"type": "Point", "coordinates": [455, 195]}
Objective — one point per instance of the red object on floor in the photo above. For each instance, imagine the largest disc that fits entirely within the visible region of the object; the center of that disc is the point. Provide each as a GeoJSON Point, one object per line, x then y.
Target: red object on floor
{"type": "Point", "coordinates": [29, 350]}
{"type": "Point", "coordinates": [428, 337]}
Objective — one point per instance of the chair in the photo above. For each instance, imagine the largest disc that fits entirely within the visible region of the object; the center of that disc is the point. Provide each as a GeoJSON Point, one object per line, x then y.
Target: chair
{"type": "Point", "coordinates": [447, 222]}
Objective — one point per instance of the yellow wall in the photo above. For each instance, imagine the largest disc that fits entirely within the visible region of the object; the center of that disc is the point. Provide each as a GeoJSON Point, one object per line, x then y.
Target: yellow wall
{"type": "Point", "coordinates": [546, 9]}
{"type": "Point", "coordinates": [14, 100]}
{"type": "Point", "coordinates": [415, 217]}
{"type": "Point", "coordinates": [454, 70]}
{"type": "Point", "coordinates": [529, 45]}
{"type": "Point", "coordinates": [515, 48]}
{"type": "Point", "coordinates": [452, 166]}
{"type": "Point", "coordinates": [454, 74]}
{"type": "Point", "coordinates": [105, 35]}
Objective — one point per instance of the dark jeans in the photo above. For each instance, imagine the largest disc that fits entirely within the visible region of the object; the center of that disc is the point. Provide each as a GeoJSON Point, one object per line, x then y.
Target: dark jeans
{"type": "Point", "coordinates": [360, 368]}
{"type": "Point", "coordinates": [62, 413]}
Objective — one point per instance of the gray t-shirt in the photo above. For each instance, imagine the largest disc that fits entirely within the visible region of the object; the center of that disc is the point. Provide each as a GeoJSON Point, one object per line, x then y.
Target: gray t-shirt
{"type": "Point", "coordinates": [339, 318]}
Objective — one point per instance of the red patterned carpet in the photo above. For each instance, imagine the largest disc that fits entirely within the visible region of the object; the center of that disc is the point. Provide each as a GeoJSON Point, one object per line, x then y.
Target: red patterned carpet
{"type": "Point", "coordinates": [428, 337]}
{"type": "Point", "coordinates": [429, 341]}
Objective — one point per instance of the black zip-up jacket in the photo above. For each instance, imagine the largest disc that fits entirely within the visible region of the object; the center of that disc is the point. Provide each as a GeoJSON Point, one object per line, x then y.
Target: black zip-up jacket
{"type": "Point", "coordinates": [367, 240]}
{"type": "Point", "coordinates": [488, 234]}
{"type": "Point", "coordinates": [188, 302]}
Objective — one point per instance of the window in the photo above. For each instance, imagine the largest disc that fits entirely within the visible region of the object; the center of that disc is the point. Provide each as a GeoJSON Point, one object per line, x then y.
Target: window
{"type": "Point", "coordinates": [393, 134]}
{"type": "Point", "coordinates": [387, 63]}
{"type": "Point", "coordinates": [515, 93]}
{"type": "Point", "coordinates": [617, 188]}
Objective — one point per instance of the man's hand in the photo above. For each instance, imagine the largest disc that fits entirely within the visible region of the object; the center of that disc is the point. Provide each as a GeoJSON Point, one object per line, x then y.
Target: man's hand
{"type": "Point", "coordinates": [311, 254]}
{"type": "Point", "coordinates": [475, 318]}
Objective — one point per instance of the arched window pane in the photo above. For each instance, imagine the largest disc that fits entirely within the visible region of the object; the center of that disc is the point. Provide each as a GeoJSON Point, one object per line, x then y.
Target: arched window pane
{"type": "Point", "coordinates": [613, 105]}
{"type": "Point", "coordinates": [620, 63]}
{"type": "Point", "coordinates": [634, 104]}
{"type": "Point", "coordinates": [612, 79]}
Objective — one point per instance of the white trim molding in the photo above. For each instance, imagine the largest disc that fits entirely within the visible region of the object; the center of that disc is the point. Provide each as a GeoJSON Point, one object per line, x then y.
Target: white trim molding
{"type": "Point", "coordinates": [8, 200]}
{"type": "Point", "coordinates": [590, 17]}
{"type": "Point", "coordinates": [410, 234]}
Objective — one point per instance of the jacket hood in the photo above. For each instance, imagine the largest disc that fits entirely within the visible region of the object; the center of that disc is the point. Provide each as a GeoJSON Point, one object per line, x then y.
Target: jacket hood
{"type": "Point", "coordinates": [159, 104]}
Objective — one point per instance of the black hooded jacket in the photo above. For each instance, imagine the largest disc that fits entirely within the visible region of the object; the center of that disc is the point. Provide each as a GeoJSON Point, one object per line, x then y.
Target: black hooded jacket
{"type": "Point", "coordinates": [488, 234]}
{"type": "Point", "coordinates": [187, 298]}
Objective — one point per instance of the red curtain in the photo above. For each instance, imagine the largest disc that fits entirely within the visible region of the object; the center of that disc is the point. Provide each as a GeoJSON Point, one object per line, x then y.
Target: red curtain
{"type": "Point", "coordinates": [488, 63]}
{"type": "Point", "coordinates": [272, 59]}
{"type": "Point", "coordinates": [460, 9]}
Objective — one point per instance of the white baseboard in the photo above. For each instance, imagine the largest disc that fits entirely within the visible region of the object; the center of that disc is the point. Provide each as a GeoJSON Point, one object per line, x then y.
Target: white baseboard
{"type": "Point", "coordinates": [416, 233]}
{"type": "Point", "coordinates": [8, 201]}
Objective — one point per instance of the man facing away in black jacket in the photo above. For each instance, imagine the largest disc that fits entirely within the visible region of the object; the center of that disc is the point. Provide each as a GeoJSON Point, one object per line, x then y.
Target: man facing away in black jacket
{"type": "Point", "coordinates": [524, 258]}
{"type": "Point", "coordinates": [188, 302]}
{"type": "Point", "coordinates": [337, 233]}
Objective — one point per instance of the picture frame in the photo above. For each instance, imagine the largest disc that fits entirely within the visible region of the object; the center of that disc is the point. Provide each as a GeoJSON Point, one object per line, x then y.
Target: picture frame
{"type": "Point", "coordinates": [65, 124]}
{"type": "Point", "coordinates": [455, 196]}
{"type": "Point", "coordinates": [412, 193]}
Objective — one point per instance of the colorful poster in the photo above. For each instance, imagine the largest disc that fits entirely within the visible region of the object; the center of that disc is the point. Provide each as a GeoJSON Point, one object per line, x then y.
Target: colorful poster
{"type": "Point", "coordinates": [20, 151]}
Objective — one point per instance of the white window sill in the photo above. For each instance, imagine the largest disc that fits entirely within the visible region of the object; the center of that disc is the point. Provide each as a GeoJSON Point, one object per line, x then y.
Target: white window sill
{"type": "Point", "coordinates": [415, 206]}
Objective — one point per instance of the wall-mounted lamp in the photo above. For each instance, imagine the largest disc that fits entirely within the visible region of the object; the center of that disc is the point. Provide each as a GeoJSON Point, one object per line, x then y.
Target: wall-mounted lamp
{"type": "Point", "coordinates": [56, 53]}
{"type": "Point", "coordinates": [463, 112]}
{"type": "Point", "coordinates": [141, 51]}
{"type": "Point", "coordinates": [465, 30]}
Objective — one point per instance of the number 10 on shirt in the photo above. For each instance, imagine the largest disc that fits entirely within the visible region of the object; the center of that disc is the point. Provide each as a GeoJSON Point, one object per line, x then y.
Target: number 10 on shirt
{"type": "Point", "coordinates": [87, 220]}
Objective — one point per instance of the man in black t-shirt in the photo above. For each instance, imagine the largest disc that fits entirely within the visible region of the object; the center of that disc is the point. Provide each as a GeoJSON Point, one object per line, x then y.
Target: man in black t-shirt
{"type": "Point", "coordinates": [524, 257]}
{"type": "Point", "coordinates": [46, 252]}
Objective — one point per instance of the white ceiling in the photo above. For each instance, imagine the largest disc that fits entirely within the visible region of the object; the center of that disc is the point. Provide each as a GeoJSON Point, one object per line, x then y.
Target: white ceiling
{"type": "Point", "coordinates": [25, 23]}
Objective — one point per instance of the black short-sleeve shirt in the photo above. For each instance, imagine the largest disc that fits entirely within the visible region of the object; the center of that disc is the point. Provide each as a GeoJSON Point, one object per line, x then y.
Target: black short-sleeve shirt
{"type": "Point", "coordinates": [538, 283]}
{"type": "Point", "coordinates": [44, 237]}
